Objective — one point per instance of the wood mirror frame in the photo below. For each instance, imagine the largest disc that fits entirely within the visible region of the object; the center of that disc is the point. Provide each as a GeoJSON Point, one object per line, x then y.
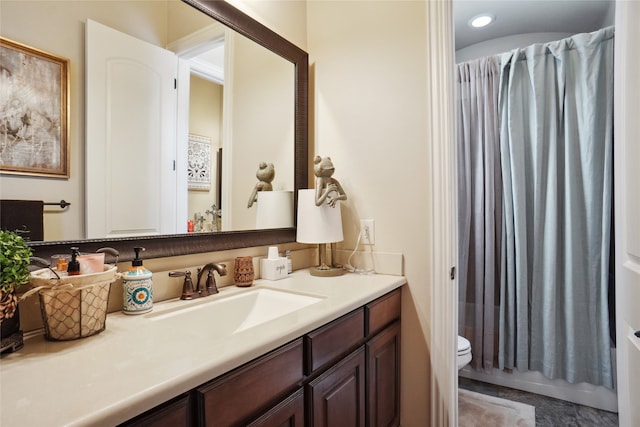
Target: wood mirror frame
{"type": "Point", "coordinates": [184, 244]}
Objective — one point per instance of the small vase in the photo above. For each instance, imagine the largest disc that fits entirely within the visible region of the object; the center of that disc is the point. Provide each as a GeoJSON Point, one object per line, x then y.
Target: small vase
{"type": "Point", "coordinates": [243, 273]}
{"type": "Point", "coordinates": [11, 338]}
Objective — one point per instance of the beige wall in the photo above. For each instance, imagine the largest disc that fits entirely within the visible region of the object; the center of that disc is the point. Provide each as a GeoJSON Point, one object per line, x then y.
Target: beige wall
{"type": "Point", "coordinates": [369, 108]}
{"type": "Point", "coordinates": [58, 27]}
{"type": "Point", "coordinates": [205, 116]}
{"type": "Point", "coordinates": [262, 94]}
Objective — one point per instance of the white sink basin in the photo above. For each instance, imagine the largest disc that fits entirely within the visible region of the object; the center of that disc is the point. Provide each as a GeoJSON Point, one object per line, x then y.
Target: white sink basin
{"type": "Point", "coordinates": [235, 313]}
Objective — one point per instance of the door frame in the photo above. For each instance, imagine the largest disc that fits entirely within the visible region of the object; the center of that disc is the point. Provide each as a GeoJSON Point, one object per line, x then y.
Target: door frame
{"type": "Point", "coordinates": [186, 48]}
{"type": "Point", "coordinates": [627, 87]}
{"type": "Point", "coordinates": [443, 210]}
{"type": "Point", "coordinates": [440, 59]}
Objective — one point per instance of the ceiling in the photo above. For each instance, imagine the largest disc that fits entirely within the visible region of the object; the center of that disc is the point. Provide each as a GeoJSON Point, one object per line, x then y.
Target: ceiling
{"type": "Point", "coordinates": [529, 16]}
{"type": "Point", "coordinates": [512, 17]}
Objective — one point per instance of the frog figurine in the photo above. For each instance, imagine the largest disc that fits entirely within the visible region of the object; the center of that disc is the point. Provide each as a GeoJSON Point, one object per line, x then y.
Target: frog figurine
{"type": "Point", "coordinates": [265, 174]}
{"type": "Point", "coordinates": [327, 188]}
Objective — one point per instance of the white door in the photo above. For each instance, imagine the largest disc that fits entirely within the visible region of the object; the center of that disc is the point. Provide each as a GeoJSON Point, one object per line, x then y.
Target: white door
{"type": "Point", "coordinates": [131, 135]}
{"type": "Point", "coordinates": [627, 209]}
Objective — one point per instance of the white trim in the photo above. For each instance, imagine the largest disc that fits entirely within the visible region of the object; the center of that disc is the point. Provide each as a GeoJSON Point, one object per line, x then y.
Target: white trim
{"type": "Point", "coordinates": [444, 307]}
{"type": "Point", "coordinates": [198, 42]}
{"type": "Point", "coordinates": [227, 132]}
{"type": "Point", "coordinates": [186, 49]}
{"type": "Point", "coordinates": [182, 145]}
{"type": "Point", "coordinates": [625, 106]}
{"type": "Point", "coordinates": [534, 382]}
{"type": "Point", "coordinates": [207, 71]}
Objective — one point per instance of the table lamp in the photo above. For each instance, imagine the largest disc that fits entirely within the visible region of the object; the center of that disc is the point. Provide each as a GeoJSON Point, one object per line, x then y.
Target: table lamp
{"type": "Point", "coordinates": [319, 225]}
{"type": "Point", "coordinates": [275, 209]}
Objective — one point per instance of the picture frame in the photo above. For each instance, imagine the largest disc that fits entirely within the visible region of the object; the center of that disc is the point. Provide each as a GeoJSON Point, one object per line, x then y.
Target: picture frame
{"type": "Point", "coordinates": [199, 174]}
{"type": "Point", "coordinates": [34, 111]}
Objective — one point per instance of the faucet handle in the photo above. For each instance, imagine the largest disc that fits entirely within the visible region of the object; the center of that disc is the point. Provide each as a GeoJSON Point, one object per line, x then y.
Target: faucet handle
{"type": "Point", "coordinates": [187, 287]}
{"type": "Point", "coordinates": [211, 283]}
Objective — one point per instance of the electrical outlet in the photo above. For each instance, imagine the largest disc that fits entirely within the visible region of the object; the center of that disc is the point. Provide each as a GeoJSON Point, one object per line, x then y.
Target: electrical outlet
{"type": "Point", "coordinates": [368, 229]}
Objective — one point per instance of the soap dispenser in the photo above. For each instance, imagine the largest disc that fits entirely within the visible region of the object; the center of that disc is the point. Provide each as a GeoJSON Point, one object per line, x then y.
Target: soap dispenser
{"type": "Point", "coordinates": [137, 287]}
{"type": "Point", "coordinates": [73, 268]}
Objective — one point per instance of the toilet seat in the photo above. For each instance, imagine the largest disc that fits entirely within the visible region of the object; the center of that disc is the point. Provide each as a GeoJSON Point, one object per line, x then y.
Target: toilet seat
{"type": "Point", "coordinates": [464, 346]}
{"type": "Point", "coordinates": [464, 352]}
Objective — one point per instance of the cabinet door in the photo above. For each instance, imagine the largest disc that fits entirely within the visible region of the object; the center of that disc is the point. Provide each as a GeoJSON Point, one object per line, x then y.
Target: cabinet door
{"type": "Point", "coordinates": [246, 392]}
{"type": "Point", "coordinates": [383, 374]}
{"type": "Point", "coordinates": [383, 312]}
{"type": "Point", "coordinates": [288, 413]}
{"type": "Point", "coordinates": [327, 344]}
{"type": "Point", "coordinates": [336, 398]}
{"type": "Point", "coordinates": [174, 413]}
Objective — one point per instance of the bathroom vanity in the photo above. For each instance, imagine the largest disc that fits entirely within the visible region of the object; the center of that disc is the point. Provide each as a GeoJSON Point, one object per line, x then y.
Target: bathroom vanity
{"type": "Point", "coordinates": [299, 351]}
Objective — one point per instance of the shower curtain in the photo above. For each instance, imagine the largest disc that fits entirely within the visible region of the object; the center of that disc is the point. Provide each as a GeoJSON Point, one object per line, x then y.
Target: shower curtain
{"type": "Point", "coordinates": [555, 107]}
{"type": "Point", "coordinates": [479, 206]}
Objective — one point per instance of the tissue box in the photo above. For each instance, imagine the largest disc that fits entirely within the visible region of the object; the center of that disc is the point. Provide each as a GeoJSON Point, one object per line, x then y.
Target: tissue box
{"type": "Point", "coordinates": [273, 269]}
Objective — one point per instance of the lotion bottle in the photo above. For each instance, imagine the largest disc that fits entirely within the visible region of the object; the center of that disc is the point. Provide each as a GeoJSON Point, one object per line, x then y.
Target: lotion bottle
{"type": "Point", "coordinates": [287, 255]}
{"type": "Point", "coordinates": [137, 285]}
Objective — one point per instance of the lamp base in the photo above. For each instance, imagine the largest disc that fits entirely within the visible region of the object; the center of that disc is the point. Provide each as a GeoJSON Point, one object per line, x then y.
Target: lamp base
{"type": "Point", "coordinates": [323, 269]}
{"type": "Point", "coordinates": [326, 271]}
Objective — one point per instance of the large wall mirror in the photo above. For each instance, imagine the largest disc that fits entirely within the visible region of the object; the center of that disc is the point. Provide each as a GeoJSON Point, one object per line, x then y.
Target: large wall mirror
{"type": "Point", "coordinates": [238, 179]}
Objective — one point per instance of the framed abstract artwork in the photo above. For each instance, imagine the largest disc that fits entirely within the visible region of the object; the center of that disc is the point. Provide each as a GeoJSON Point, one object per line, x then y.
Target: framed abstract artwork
{"type": "Point", "coordinates": [34, 111]}
{"type": "Point", "coordinates": [199, 175]}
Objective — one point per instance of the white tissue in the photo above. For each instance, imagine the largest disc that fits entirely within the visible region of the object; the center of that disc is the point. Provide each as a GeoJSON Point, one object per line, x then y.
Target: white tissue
{"type": "Point", "coordinates": [273, 252]}
{"type": "Point", "coordinates": [273, 269]}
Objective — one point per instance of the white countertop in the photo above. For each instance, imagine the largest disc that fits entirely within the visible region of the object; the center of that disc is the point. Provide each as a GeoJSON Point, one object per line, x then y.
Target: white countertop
{"type": "Point", "coordinates": [136, 364]}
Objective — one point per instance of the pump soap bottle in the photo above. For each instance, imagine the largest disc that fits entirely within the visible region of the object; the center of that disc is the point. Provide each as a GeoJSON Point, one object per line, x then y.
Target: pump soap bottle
{"type": "Point", "coordinates": [137, 287]}
{"type": "Point", "coordinates": [73, 268]}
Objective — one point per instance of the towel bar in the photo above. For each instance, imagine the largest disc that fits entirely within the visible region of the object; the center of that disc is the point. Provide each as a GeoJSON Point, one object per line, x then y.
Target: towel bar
{"type": "Point", "coordinates": [62, 203]}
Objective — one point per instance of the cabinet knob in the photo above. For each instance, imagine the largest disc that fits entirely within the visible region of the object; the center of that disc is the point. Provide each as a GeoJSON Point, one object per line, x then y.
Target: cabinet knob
{"type": "Point", "coordinates": [637, 334]}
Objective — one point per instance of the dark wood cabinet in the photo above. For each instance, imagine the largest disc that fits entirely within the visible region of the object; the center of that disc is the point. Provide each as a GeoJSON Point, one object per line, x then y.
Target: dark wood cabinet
{"type": "Point", "coordinates": [343, 374]}
{"type": "Point", "coordinates": [383, 374]}
{"type": "Point", "coordinates": [382, 312]}
{"type": "Point", "coordinates": [252, 389]}
{"type": "Point", "coordinates": [337, 397]}
{"type": "Point", "coordinates": [383, 360]}
{"type": "Point", "coordinates": [176, 412]}
{"type": "Point", "coordinates": [327, 344]}
{"type": "Point", "coordinates": [288, 413]}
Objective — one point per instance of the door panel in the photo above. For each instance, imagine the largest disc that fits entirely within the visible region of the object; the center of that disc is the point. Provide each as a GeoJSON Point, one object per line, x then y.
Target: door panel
{"type": "Point", "coordinates": [337, 397]}
{"type": "Point", "coordinates": [131, 135]}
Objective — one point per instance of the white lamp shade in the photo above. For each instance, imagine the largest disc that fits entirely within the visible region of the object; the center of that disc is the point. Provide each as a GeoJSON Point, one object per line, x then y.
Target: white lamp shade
{"type": "Point", "coordinates": [317, 224]}
{"type": "Point", "coordinates": [275, 209]}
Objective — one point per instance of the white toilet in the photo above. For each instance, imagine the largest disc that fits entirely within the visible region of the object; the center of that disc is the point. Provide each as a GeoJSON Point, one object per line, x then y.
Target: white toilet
{"type": "Point", "coordinates": [464, 352]}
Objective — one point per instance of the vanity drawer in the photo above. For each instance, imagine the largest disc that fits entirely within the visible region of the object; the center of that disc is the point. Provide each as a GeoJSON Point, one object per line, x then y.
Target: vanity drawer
{"type": "Point", "coordinates": [330, 342]}
{"type": "Point", "coordinates": [243, 393]}
{"type": "Point", "coordinates": [382, 312]}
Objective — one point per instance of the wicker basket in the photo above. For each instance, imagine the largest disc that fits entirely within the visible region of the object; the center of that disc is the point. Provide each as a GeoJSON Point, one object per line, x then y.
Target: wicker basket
{"type": "Point", "coordinates": [73, 307]}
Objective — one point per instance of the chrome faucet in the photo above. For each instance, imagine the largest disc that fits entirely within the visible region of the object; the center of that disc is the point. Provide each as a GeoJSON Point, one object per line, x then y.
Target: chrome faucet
{"type": "Point", "coordinates": [210, 285]}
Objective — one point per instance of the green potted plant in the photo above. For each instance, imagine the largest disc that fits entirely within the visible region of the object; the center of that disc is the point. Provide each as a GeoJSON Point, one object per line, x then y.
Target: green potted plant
{"type": "Point", "coordinates": [15, 258]}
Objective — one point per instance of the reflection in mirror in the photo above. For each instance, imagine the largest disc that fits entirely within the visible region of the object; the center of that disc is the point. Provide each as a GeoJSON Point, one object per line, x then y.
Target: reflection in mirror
{"type": "Point", "coordinates": [256, 120]}
{"type": "Point", "coordinates": [228, 110]}
{"type": "Point", "coordinates": [59, 27]}
{"type": "Point", "coordinates": [262, 127]}
{"type": "Point", "coordinates": [245, 118]}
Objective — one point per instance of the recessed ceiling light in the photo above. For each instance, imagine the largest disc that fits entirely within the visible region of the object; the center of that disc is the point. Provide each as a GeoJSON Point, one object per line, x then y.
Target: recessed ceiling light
{"type": "Point", "coordinates": [481, 20]}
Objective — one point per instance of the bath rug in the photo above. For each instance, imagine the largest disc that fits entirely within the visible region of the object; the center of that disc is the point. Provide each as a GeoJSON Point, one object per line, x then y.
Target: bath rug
{"type": "Point", "coordinates": [481, 410]}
